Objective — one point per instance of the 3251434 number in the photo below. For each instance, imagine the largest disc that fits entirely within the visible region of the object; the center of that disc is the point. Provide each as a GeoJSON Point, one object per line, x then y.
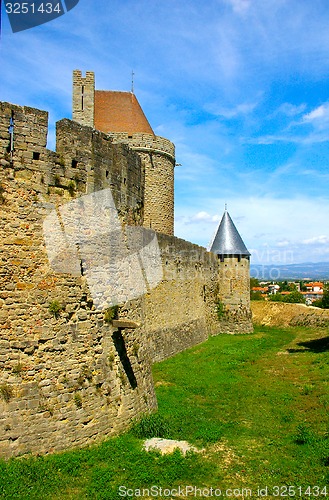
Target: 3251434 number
{"type": "Point", "coordinates": [33, 8]}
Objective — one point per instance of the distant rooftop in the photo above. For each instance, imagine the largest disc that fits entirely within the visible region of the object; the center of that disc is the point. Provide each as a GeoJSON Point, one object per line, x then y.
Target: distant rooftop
{"type": "Point", "coordinates": [119, 112]}
{"type": "Point", "coordinates": [228, 240]}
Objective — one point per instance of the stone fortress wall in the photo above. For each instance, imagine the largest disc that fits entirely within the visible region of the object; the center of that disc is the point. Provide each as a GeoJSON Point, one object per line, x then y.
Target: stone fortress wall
{"type": "Point", "coordinates": [158, 160]}
{"type": "Point", "coordinates": [157, 155]}
{"type": "Point", "coordinates": [72, 378]}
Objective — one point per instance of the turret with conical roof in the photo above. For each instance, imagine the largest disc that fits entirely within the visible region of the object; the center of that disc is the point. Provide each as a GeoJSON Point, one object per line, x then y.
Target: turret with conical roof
{"type": "Point", "coordinates": [228, 241]}
{"type": "Point", "coordinates": [233, 277]}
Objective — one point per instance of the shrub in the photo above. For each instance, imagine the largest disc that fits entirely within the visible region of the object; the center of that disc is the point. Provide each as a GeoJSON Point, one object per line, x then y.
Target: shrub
{"type": "Point", "coordinates": [256, 295]}
{"type": "Point", "coordinates": [111, 358]}
{"type": "Point", "coordinates": [57, 180]}
{"type": "Point", "coordinates": [55, 307]}
{"type": "Point", "coordinates": [220, 309]}
{"type": "Point", "coordinates": [136, 348]}
{"type": "Point", "coordinates": [111, 313]}
{"type": "Point", "coordinates": [78, 400]}
{"type": "Point", "coordinates": [2, 198]}
{"type": "Point", "coordinates": [294, 298]}
{"type": "Point", "coordinates": [275, 297]}
{"type": "Point", "coordinates": [6, 392]}
{"type": "Point", "coordinates": [71, 187]}
{"type": "Point", "coordinates": [149, 426]}
{"type": "Point", "coordinates": [17, 369]}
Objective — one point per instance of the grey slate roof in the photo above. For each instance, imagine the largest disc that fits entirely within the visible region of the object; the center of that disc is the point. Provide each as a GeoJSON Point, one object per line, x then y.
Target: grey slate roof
{"type": "Point", "coordinates": [227, 240]}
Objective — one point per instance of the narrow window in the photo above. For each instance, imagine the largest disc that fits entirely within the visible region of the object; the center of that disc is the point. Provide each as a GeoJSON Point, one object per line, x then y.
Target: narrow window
{"type": "Point", "coordinates": [10, 148]}
{"type": "Point", "coordinates": [36, 155]}
{"type": "Point", "coordinates": [74, 163]}
{"type": "Point", "coordinates": [82, 96]}
{"type": "Point", "coordinates": [107, 174]}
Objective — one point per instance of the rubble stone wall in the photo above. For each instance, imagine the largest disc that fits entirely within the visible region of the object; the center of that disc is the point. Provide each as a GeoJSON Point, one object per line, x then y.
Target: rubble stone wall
{"type": "Point", "coordinates": [68, 377]}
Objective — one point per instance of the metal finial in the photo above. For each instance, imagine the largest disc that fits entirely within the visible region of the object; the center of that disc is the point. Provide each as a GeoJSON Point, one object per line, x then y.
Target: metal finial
{"type": "Point", "coordinates": [132, 81]}
{"type": "Point", "coordinates": [225, 206]}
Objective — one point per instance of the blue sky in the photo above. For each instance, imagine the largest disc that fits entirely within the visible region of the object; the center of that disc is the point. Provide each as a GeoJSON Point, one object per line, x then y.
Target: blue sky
{"type": "Point", "coordinates": [241, 88]}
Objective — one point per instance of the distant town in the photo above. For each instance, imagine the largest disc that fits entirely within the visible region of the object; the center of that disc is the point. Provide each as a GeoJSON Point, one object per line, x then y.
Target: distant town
{"type": "Point", "coordinates": [315, 293]}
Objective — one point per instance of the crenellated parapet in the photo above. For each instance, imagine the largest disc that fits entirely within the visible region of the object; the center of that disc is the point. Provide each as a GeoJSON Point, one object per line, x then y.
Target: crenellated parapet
{"type": "Point", "coordinates": [146, 142]}
{"type": "Point", "coordinates": [158, 159]}
{"type": "Point", "coordinates": [120, 116]}
{"type": "Point", "coordinates": [69, 375]}
{"type": "Point", "coordinates": [83, 98]}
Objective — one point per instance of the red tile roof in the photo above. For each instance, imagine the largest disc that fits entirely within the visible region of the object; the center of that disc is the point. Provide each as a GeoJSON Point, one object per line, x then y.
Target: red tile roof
{"type": "Point", "coordinates": [119, 112]}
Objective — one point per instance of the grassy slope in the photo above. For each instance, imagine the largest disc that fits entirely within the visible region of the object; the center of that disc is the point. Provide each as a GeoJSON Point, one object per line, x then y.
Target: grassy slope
{"type": "Point", "coordinates": [258, 404]}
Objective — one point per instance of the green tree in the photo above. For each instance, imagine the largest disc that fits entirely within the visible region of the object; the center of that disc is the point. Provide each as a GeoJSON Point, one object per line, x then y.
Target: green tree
{"type": "Point", "coordinates": [275, 297]}
{"type": "Point", "coordinates": [254, 282]}
{"type": "Point", "coordinates": [256, 295]}
{"type": "Point", "coordinates": [294, 297]}
{"type": "Point", "coordinates": [325, 297]}
{"type": "Point", "coordinates": [284, 287]}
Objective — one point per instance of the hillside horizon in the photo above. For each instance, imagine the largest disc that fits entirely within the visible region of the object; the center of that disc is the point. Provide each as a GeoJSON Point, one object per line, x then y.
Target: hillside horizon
{"type": "Point", "coordinates": [279, 272]}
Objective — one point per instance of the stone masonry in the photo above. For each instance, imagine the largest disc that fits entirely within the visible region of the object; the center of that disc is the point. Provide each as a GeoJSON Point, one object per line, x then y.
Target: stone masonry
{"type": "Point", "coordinates": [69, 376]}
{"type": "Point", "coordinates": [157, 153]}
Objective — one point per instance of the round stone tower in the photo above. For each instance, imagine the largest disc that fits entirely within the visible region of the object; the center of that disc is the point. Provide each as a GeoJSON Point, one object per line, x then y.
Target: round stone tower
{"type": "Point", "coordinates": [233, 277]}
{"type": "Point", "coordinates": [158, 160]}
{"type": "Point", "coordinates": [120, 115]}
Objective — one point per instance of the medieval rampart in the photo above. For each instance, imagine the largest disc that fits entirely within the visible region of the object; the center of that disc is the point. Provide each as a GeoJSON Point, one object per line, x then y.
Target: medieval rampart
{"type": "Point", "coordinates": [68, 377]}
{"type": "Point", "coordinates": [158, 160]}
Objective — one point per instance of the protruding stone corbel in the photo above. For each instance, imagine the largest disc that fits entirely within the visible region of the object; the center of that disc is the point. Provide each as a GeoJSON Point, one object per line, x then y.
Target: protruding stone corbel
{"type": "Point", "coordinates": [124, 323]}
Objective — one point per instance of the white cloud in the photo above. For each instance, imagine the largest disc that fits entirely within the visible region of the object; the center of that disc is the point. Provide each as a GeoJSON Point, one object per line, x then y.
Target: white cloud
{"type": "Point", "coordinates": [238, 110]}
{"type": "Point", "coordinates": [319, 113]}
{"type": "Point", "coordinates": [278, 230]}
{"type": "Point", "coordinates": [289, 109]}
{"type": "Point", "coordinates": [231, 59]}
{"type": "Point", "coordinates": [283, 243]}
{"type": "Point", "coordinates": [317, 240]}
{"type": "Point", "coordinates": [239, 6]}
{"type": "Point", "coordinates": [311, 128]}
{"type": "Point", "coordinates": [200, 218]}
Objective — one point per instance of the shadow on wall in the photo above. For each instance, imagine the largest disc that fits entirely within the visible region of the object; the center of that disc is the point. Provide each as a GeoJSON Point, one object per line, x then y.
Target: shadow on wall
{"type": "Point", "coordinates": [120, 346]}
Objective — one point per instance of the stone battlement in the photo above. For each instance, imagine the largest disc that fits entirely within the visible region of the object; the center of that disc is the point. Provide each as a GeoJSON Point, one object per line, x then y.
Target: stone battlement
{"type": "Point", "coordinates": [140, 142]}
{"type": "Point", "coordinates": [68, 376]}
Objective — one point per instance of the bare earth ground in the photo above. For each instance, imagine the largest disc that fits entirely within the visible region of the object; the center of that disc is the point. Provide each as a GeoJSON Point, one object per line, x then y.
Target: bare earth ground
{"type": "Point", "coordinates": [285, 314]}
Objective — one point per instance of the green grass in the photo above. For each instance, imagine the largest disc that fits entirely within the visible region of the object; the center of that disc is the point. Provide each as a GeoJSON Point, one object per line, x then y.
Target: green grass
{"type": "Point", "coordinates": [257, 404]}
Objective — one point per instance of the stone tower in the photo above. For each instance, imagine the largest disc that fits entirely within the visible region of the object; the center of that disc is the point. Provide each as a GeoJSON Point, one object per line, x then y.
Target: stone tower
{"type": "Point", "coordinates": [83, 98]}
{"type": "Point", "coordinates": [234, 275]}
{"type": "Point", "coordinates": [120, 115]}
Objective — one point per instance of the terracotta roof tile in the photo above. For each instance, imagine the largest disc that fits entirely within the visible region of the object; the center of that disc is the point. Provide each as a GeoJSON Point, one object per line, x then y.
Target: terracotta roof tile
{"type": "Point", "coordinates": [119, 112]}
